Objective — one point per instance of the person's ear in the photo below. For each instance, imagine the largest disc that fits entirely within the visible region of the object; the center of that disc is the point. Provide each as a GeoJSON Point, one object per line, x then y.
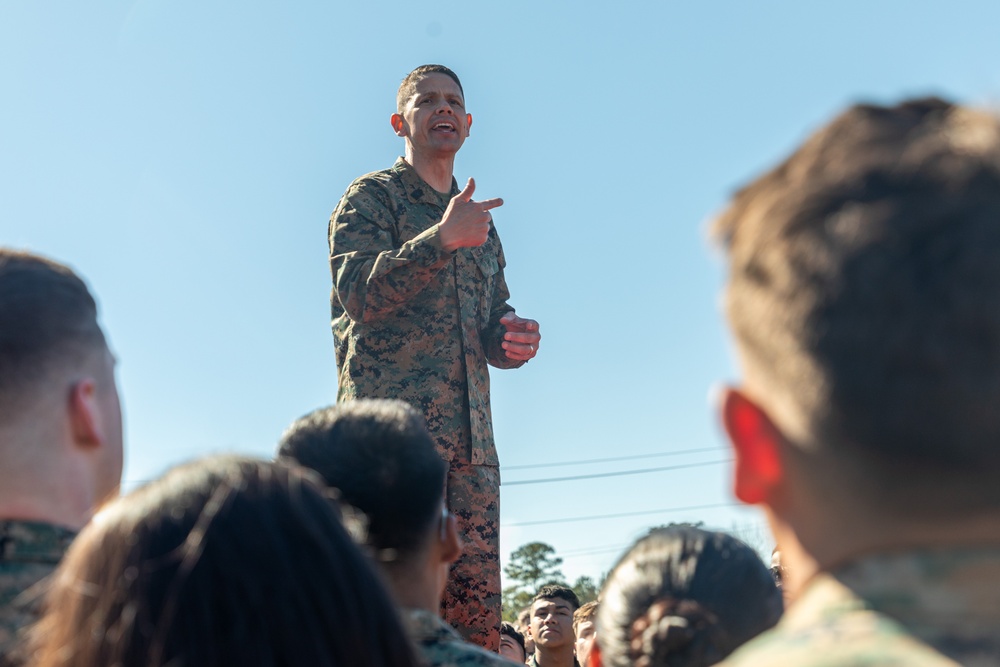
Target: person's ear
{"type": "Point", "coordinates": [85, 415]}
{"type": "Point", "coordinates": [468, 124]}
{"type": "Point", "coordinates": [451, 547]}
{"type": "Point", "coordinates": [594, 659]}
{"type": "Point", "coordinates": [756, 445]}
{"type": "Point", "coordinates": [398, 125]}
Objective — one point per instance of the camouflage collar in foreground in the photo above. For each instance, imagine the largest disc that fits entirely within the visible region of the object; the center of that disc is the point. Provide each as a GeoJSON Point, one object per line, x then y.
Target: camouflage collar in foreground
{"type": "Point", "coordinates": [417, 189]}
{"type": "Point", "coordinates": [33, 542]}
{"type": "Point", "coordinates": [423, 625]}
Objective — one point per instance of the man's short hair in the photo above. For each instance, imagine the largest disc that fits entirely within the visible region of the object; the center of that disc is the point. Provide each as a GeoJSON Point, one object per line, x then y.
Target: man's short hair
{"type": "Point", "coordinates": [381, 458]}
{"type": "Point", "coordinates": [48, 319]}
{"type": "Point", "coordinates": [586, 612]}
{"type": "Point", "coordinates": [863, 291]}
{"type": "Point", "coordinates": [409, 83]}
{"type": "Point", "coordinates": [556, 592]}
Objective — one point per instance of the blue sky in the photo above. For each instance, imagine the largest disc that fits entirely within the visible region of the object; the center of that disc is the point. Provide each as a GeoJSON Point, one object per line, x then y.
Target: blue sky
{"type": "Point", "coordinates": [185, 157]}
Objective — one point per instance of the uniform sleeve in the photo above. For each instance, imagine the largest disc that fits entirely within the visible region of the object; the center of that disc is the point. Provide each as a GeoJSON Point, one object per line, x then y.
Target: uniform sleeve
{"type": "Point", "coordinates": [372, 276]}
{"type": "Point", "coordinates": [492, 336]}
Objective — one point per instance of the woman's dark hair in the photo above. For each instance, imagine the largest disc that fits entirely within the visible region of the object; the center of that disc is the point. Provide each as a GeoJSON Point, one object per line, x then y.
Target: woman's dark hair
{"type": "Point", "coordinates": [684, 597]}
{"type": "Point", "coordinates": [226, 561]}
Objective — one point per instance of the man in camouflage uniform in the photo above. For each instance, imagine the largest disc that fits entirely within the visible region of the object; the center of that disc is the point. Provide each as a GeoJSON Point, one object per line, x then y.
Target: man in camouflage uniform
{"type": "Point", "coordinates": [864, 293]}
{"type": "Point", "coordinates": [419, 309]}
{"type": "Point", "coordinates": [60, 428]}
{"type": "Point", "coordinates": [380, 457]}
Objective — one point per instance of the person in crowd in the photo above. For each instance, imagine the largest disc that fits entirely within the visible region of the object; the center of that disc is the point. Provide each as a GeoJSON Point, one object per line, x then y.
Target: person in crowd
{"type": "Point", "coordinates": [60, 428]}
{"type": "Point", "coordinates": [223, 561]}
{"type": "Point", "coordinates": [524, 627]}
{"type": "Point", "coordinates": [512, 643]}
{"type": "Point", "coordinates": [864, 278]}
{"type": "Point", "coordinates": [585, 630]}
{"type": "Point", "coordinates": [419, 310]}
{"type": "Point", "coordinates": [551, 625]}
{"type": "Point", "coordinates": [382, 461]}
{"type": "Point", "coordinates": [684, 597]}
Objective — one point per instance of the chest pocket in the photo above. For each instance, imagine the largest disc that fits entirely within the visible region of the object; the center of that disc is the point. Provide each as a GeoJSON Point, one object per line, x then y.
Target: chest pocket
{"type": "Point", "coordinates": [487, 260]}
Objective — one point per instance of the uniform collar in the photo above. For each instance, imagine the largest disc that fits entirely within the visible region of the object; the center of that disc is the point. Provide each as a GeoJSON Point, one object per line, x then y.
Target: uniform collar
{"type": "Point", "coordinates": [417, 189]}
{"type": "Point", "coordinates": [33, 542]}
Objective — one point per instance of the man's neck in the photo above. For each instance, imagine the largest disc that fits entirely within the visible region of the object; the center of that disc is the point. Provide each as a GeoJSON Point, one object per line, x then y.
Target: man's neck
{"type": "Point", "coordinates": [437, 171]}
{"type": "Point", "coordinates": [413, 589]}
{"type": "Point", "coordinates": [560, 656]}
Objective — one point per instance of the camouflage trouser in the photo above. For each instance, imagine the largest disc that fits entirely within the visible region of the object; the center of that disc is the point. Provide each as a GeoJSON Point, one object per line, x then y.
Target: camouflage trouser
{"type": "Point", "coordinates": [471, 602]}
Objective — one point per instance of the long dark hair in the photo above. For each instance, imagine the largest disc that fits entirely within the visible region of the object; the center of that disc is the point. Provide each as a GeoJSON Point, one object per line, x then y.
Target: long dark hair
{"type": "Point", "coordinates": [226, 561]}
{"type": "Point", "coordinates": [684, 597]}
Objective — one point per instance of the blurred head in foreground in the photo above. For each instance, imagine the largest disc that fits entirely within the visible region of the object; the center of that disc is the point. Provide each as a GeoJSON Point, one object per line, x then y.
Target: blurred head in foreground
{"type": "Point", "coordinates": [863, 292]}
{"type": "Point", "coordinates": [225, 561]}
{"type": "Point", "coordinates": [683, 597]}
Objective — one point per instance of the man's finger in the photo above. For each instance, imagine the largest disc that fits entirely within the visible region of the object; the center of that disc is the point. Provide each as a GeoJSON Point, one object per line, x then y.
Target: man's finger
{"type": "Point", "coordinates": [527, 338]}
{"type": "Point", "coordinates": [466, 193]}
{"type": "Point", "coordinates": [491, 203]}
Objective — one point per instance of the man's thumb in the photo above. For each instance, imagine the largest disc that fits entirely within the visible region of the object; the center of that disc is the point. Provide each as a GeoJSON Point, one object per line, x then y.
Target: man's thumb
{"type": "Point", "coordinates": [466, 193]}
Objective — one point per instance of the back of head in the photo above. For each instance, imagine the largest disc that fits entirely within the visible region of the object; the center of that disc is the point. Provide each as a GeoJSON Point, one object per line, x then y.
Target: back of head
{"type": "Point", "coordinates": [48, 323]}
{"type": "Point", "coordinates": [227, 561]}
{"type": "Point", "coordinates": [684, 597]}
{"type": "Point", "coordinates": [863, 291]}
{"type": "Point", "coordinates": [380, 457]}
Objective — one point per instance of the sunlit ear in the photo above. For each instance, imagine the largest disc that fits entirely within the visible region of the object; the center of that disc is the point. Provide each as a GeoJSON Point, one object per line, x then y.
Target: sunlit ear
{"type": "Point", "coordinates": [755, 440]}
{"type": "Point", "coordinates": [85, 417]}
{"type": "Point", "coordinates": [468, 123]}
{"type": "Point", "coordinates": [398, 125]}
{"type": "Point", "coordinates": [452, 546]}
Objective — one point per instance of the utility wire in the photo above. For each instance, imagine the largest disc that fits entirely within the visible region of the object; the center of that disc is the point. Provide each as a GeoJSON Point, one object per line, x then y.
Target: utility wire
{"type": "Point", "coordinates": [612, 474]}
{"type": "Point", "coordinates": [612, 459]}
{"type": "Point", "coordinates": [593, 517]}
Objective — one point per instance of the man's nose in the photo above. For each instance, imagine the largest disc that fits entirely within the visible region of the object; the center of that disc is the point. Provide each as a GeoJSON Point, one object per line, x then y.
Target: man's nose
{"type": "Point", "coordinates": [444, 107]}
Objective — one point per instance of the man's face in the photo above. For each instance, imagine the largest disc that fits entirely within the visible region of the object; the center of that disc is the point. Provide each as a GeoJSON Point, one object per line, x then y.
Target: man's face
{"type": "Point", "coordinates": [434, 121]}
{"type": "Point", "coordinates": [511, 650]}
{"type": "Point", "coordinates": [552, 623]}
{"type": "Point", "coordinates": [585, 634]}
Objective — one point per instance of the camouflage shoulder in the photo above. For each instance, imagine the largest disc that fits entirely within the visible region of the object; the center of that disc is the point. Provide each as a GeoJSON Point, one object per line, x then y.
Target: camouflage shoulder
{"type": "Point", "coordinates": [460, 654]}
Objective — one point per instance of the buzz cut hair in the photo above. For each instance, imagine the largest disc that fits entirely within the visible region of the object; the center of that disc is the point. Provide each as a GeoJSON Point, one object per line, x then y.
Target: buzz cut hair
{"type": "Point", "coordinates": [864, 278]}
{"type": "Point", "coordinates": [409, 83]}
{"type": "Point", "coordinates": [557, 592]}
{"type": "Point", "coordinates": [586, 612]}
{"type": "Point", "coordinates": [48, 319]}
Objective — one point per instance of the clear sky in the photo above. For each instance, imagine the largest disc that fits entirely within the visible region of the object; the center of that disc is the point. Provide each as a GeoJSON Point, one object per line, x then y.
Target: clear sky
{"type": "Point", "coordinates": [185, 156]}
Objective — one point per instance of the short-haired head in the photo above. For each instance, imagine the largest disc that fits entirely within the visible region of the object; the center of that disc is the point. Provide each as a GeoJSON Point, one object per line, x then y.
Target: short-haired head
{"type": "Point", "coordinates": [228, 560]}
{"type": "Point", "coordinates": [557, 592]}
{"type": "Point", "coordinates": [48, 323]}
{"type": "Point", "coordinates": [379, 455]}
{"type": "Point", "coordinates": [586, 612]}
{"type": "Point", "coordinates": [516, 640]}
{"type": "Point", "coordinates": [862, 291]}
{"type": "Point", "coordinates": [409, 84]}
{"type": "Point", "coordinates": [686, 597]}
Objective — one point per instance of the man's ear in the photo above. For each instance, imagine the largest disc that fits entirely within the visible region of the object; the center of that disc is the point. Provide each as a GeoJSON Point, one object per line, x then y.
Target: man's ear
{"type": "Point", "coordinates": [84, 415]}
{"type": "Point", "coordinates": [756, 445]}
{"type": "Point", "coordinates": [398, 125]}
{"type": "Point", "coordinates": [451, 547]}
{"type": "Point", "coordinates": [468, 123]}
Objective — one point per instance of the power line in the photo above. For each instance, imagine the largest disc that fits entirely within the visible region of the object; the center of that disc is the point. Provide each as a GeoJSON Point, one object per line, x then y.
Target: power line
{"type": "Point", "coordinates": [612, 474]}
{"type": "Point", "coordinates": [612, 459]}
{"type": "Point", "coordinates": [593, 517]}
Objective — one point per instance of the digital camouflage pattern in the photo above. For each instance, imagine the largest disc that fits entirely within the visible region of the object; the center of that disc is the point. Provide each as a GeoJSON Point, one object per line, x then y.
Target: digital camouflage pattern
{"type": "Point", "coordinates": [440, 646]}
{"type": "Point", "coordinates": [29, 552]}
{"type": "Point", "coordinates": [472, 599]}
{"type": "Point", "coordinates": [918, 609]}
{"type": "Point", "coordinates": [414, 322]}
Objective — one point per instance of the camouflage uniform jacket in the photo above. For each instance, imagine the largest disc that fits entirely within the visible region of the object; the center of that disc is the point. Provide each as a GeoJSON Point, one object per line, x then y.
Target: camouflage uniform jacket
{"type": "Point", "coordinates": [440, 646]}
{"type": "Point", "coordinates": [533, 660]}
{"type": "Point", "coordinates": [29, 552]}
{"type": "Point", "coordinates": [918, 609]}
{"type": "Point", "coordinates": [411, 320]}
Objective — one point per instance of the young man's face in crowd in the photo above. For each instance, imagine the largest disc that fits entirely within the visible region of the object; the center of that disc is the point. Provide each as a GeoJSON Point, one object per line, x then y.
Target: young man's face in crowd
{"type": "Point", "coordinates": [585, 634]}
{"type": "Point", "coordinates": [511, 650]}
{"type": "Point", "coordinates": [552, 623]}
